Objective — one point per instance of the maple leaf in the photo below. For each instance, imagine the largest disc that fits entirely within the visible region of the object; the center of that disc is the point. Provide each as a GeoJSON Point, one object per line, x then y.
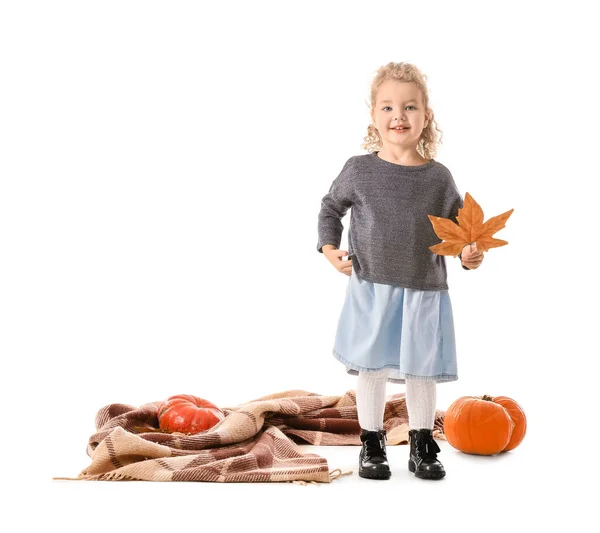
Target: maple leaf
{"type": "Point", "coordinates": [470, 229]}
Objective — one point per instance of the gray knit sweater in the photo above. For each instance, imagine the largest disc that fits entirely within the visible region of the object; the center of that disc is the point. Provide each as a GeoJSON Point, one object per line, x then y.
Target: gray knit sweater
{"type": "Point", "coordinates": [390, 234]}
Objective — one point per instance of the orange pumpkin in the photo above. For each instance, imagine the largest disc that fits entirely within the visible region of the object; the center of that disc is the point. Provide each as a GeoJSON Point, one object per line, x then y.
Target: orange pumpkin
{"type": "Point", "coordinates": [484, 425]}
{"type": "Point", "coordinates": [189, 414]}
{"type": "Point", "coordinates": [518, 417]}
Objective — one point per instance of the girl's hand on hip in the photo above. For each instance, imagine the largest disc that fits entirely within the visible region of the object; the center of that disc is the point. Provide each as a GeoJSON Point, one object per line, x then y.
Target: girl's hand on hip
{"type": "Point", "coordinates": [471, 257]}
{"type": "Point", "coordinates": [335, 258]}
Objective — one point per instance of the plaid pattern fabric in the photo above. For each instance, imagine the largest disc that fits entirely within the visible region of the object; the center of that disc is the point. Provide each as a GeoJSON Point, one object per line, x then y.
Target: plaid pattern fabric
{"type": "Point", "coordinates": [255, 442]}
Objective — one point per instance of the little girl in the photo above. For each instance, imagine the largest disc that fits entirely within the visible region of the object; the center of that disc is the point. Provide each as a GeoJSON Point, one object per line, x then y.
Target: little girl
{"type": "Point", "coordinates": [396, 323]}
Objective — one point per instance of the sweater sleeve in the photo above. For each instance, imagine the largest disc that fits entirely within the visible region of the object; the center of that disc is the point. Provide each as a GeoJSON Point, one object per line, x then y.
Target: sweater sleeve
{"type": "Point", "coordinates": [334, 206]}
{"type": "Point", "coordinates": [456, 203]}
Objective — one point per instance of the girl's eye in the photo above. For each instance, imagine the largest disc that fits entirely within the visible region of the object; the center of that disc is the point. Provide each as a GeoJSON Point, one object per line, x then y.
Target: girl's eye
{"type": "Point", "coordinates": [390, 107]}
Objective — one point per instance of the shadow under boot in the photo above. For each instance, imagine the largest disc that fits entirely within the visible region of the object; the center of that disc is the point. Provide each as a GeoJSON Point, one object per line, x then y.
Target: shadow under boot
{"type": "Point", "coordinates": [372, 461]}
{"type": "Point", "coordinates": [423, 455]}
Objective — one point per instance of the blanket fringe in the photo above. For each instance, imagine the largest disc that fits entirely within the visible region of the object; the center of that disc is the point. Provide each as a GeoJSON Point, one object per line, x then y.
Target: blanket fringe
{"type": "Point", "coordinates": [107, 476]}
{"type": "Point", "coordinates": [332, 475]}
{"type": "Point", "coordinates": [113, 476]}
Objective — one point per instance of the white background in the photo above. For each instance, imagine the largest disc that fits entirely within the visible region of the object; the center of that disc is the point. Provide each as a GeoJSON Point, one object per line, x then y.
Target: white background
{"type": "Point", "coordinates": [163, 165]}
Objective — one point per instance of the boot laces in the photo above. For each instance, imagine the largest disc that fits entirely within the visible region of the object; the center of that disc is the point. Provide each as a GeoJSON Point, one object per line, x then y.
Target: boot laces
{"type": "Point", "coordinates": [374, 448]}
{"type": "Point", "coordinates": [425, 445]}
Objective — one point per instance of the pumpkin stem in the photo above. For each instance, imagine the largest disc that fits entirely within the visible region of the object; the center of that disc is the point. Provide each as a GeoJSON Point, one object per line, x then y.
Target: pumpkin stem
{"type": "Point", "coordinates": [487, 398]}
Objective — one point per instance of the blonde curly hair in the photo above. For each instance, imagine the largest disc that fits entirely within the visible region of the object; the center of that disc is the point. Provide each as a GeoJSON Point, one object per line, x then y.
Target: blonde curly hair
{"type": "Point", "coordinates": [428, 142]}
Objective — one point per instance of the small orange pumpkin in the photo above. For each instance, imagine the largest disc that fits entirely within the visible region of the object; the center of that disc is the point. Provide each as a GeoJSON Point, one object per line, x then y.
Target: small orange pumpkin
{"type": "Point", "coordinates": [189, 414]}
{"type": "Point", "coordinates": [518, 416]}
{"type": "Point", "coordinates": [484, 425]}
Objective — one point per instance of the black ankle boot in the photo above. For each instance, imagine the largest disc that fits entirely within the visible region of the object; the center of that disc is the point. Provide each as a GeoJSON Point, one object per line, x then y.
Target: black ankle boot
{"type": "Point", "coordinates": [423, 450]}
{"type": "Point", "coordinates": [372, 461]}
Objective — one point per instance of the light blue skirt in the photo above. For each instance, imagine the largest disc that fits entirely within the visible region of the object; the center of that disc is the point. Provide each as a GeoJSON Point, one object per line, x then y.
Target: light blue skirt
{"type": "Point", "coordinates": [407, 330]}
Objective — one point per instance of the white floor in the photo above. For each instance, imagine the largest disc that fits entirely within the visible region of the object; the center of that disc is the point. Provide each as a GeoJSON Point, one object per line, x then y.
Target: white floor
{"type": "Point", "coordinates": [510, 492]}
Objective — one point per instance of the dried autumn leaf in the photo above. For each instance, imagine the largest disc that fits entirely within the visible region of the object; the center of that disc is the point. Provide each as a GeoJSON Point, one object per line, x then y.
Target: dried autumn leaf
{"type": "Point", "coordinates": [470, 229]}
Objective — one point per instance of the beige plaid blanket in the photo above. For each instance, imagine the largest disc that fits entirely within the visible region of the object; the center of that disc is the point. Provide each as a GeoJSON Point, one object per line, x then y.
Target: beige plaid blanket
{"type": "Point", "coordinates": [255, 442]}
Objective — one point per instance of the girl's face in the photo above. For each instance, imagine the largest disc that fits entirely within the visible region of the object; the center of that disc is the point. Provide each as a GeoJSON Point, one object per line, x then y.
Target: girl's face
{"type": "Point", "coordinates": [399, 103]}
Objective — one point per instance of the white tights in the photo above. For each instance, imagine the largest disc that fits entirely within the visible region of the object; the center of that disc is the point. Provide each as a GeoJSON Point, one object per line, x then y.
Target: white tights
{"type": "Point", "coordinates": [370, 400]}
